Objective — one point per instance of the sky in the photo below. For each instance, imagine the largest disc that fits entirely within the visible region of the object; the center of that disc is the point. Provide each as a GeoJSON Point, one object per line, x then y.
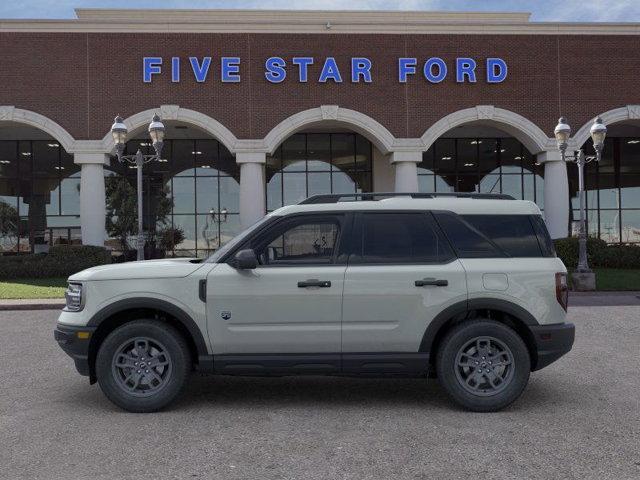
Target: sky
{"type": "Point", "coordinates": [542, 10]}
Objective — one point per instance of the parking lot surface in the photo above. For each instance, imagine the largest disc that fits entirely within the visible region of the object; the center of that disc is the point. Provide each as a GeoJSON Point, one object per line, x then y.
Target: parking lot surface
{"type": "Point", "coordinates": [579, 418]}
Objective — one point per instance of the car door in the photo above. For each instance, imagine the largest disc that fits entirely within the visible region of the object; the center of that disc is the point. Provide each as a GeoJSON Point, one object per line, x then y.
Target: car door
{"type": "Point", "coordinates": [290, 303]}
{"type": "Point", "coordinates": [402, 272]}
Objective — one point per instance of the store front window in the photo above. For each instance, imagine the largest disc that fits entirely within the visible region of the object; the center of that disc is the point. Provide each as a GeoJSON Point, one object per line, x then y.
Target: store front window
{"type": "Point", "coordinates": [191, 198]}
{"type": "Point", "coordinates": [612, 189]}
{"type": "Point", "coordinates": [39, 196]}
{"type": "Point", "coordinates": [318, 163]}
{"type": "Point", "coordinates": [485, 165]}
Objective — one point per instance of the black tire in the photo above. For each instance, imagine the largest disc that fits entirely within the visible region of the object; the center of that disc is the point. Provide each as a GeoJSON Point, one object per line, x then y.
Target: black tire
{"type": "Point", "coordinates": [489, 390]}
{"type": "Point", "coordinates": [134, 390]}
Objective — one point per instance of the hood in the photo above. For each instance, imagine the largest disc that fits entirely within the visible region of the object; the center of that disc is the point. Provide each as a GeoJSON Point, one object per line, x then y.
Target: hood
{"type": "Point", "coordinates": [165, 268]}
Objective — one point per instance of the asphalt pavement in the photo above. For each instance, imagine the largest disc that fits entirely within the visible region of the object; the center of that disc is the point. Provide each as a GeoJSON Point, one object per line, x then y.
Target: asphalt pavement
{"type": "Point", "coordinates": [579, 418]}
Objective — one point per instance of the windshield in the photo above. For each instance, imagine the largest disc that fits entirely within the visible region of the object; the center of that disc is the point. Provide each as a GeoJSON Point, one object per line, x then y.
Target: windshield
{"type": "Point", "coordinates": [235, 241]}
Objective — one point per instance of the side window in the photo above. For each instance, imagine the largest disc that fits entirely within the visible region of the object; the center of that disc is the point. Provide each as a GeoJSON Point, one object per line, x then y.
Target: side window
{"type": "Point", "coordinates": [304, 242]}
{"type": "Point", "coordinates": [466, 239]}
{"type": "Point", "coordinates": [400, 238]}
{"type": "Point", "coordinates": [544, 239]}
{"type": "Point", "coordinates": [512, 233]}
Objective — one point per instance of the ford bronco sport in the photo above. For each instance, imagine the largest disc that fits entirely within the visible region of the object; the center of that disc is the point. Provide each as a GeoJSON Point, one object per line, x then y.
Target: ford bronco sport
{"type": "Point", "coordinates": [467, 288]}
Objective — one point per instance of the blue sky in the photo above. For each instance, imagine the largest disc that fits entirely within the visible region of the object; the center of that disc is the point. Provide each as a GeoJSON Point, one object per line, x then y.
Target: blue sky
{"type": "Point", "coordinates": [542, 10]}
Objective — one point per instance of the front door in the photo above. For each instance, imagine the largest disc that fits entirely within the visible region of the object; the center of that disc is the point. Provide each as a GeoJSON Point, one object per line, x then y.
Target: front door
{"type": "Point", "coordinates": [401, 274]}
{"type": "Point", "coordinates": [289, 304]}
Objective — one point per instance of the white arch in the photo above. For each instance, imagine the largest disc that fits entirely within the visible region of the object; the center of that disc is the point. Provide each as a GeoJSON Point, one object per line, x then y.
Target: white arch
{"type": "Point", "coordinates": [382, 138]}
{"type": "Point", "coordinates": [175, 112]}
{"type": "Point", "coordinates": [516, 125]}
{"type": "Point", "coordinates": [9, 113]}
{"type": "Point", "coordinates": [617, 115]}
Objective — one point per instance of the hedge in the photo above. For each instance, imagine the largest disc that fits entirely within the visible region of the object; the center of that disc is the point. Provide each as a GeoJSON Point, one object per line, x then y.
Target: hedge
{"type": "Point", "coordinates": [61, 261]}
{"type": "Point", "coordinates": [599, 253]}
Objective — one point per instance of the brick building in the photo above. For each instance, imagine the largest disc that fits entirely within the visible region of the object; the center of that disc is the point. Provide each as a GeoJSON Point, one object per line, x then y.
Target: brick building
{"type": "Point", "coordinates": [263, 108]}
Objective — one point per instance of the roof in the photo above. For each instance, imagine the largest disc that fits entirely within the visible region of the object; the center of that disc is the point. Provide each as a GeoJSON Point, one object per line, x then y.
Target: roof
{"type": "Point", "coordinates": [310, 21]}
{"type": "Point", "coordinates": [464, 206]}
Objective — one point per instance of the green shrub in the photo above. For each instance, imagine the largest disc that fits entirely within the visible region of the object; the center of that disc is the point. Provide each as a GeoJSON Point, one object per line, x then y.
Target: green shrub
{"type": "Point", "coordinates": [599, 254]}
{"type": "Point", "coordinates": [61, 261]}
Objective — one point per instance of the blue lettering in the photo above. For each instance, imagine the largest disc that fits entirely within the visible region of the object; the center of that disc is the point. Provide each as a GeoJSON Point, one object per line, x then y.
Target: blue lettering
{"type": "Point", "coordinates": [303, 64]}
{"type": "Point", "coordinates": [496, 70]}
{"type": "Point", "coordinates": [331, 71]}
{"type": "Point", "coordinates": [276, 72]}
{"type": "Point", "coordinates": [428, 70]}
{"type": "Point", "coordinates": [175, 69]}
{"type": "Point", "coordinates": [406, 66]}
{"type": "Point", "coordinates": [200, 71]}
{"type": "Point", "coordinates": [465, 67]}
{"type": "Point", "coordinates": [230, 69]}
{"type": "Point", "coordinates": [360, 67]}
{"type": "Point", "coordinates": [150, 66]}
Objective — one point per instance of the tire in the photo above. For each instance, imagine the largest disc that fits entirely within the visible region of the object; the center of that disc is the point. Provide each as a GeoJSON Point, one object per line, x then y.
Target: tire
{"type": "Point", "coordinates": [139, 385]}
{"type": "Point", "coordinates": [503, 365]}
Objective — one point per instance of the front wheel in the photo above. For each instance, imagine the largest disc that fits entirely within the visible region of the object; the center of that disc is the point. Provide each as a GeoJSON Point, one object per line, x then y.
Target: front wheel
{"type": "Point", "coordinates": [143, 365]}
{"type": "Point", "coordinates": [483, 365]}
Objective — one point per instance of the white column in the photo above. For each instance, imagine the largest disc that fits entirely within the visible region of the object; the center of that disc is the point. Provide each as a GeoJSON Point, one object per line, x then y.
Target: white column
{"type": "Point", "coordinates": [92, 198]}
{"type": "Point", "coordinates": [556, 194]}
{"type": "Point", "coordinates": [406, 167]}
{"type": "Point", "coordinates": [252, 187]}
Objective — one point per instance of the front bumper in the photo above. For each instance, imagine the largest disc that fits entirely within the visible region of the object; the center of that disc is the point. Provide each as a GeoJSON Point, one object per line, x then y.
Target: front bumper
{"type": "Point", "coordinates": [552, 342]}
{"type": "Point", "coordinates": [75, 343]}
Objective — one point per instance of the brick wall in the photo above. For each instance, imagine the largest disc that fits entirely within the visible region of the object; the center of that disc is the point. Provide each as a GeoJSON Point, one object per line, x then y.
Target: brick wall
{"type": "Point", "coordinates": [81, 80]}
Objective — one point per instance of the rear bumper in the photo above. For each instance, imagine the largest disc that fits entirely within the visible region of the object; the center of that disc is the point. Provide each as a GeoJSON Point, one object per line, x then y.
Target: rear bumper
{"type": "Point", "coordinates": [552, 342]}
{"type": "Point", "coordinates": [74, 345]}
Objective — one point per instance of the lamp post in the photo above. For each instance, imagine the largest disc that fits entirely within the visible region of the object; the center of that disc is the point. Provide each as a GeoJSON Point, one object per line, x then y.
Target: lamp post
{"type": "Point", "coordinates": [156, 132]}
{"type": "Point", "coordinates": [562, 133]}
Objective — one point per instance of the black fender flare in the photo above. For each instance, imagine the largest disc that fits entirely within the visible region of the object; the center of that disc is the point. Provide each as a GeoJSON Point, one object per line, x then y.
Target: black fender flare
{"type": "Point", "coordinates": [156, 304]}
{"type": "Point", "coordinates": [464, 307]}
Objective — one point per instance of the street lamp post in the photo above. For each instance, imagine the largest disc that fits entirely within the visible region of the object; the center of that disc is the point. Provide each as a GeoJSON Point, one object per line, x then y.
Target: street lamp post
{"type": "Point", "coordinates": [598, 133]}
{"type": "Point", "coordinates": [156, 132]}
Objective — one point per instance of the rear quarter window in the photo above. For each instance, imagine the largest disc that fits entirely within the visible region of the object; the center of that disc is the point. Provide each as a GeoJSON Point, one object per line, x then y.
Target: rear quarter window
{"type": "Point", "coordinates": [514, 234]}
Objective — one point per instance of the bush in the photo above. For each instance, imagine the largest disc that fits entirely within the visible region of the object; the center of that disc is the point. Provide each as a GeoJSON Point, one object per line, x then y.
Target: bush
{"type": "Point", "coordinates": [599, 254]}
{"type": "Point", "coordinates": [61, 261]}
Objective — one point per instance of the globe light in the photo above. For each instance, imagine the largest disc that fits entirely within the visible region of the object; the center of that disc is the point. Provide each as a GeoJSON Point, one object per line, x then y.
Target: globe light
{"type": "Point", "coordinates": [562, 133]}
{"type": "Point", "coordinates": [119, 131]}
{"type": "Point", "coordinates": [598, 133]}
{"type": "Point", "coordinates": [156, 132]}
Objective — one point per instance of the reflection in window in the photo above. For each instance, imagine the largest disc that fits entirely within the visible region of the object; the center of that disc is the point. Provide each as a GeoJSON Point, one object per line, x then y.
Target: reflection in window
{"type": "Point", "coordinates": [39, 196]}
{"type": "Point", "coordinates": [318, 163]}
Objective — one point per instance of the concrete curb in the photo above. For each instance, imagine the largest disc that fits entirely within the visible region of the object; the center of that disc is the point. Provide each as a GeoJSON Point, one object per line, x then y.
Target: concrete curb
{"type": "Point", "coordinates": [32, 304]}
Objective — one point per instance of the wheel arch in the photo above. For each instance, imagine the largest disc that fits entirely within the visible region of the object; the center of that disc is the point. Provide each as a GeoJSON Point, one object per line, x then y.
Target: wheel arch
{"type": "Point", "coordinates": [127, 310]}
{"type": "Point", "coordinates": [503, 311]}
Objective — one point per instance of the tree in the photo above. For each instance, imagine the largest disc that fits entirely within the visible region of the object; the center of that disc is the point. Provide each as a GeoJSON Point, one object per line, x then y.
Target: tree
{"type": "Point", "coordinates": [9, 223]}
{"type": "Point", "coordinates": [122, 210]}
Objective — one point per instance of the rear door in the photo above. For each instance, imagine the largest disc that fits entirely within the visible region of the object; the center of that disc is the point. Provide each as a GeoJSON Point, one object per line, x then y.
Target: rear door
{"type": "Point", "coordinates": [401, 274]}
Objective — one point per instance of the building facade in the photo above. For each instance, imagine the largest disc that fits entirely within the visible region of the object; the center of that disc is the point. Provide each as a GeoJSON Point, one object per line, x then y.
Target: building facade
{"type": "Point", "coordinates": [264, 108]}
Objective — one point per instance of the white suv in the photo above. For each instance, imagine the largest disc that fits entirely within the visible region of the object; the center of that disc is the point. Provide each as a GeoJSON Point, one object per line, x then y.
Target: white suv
{"type": "Point", "coordinates": [463, 287]}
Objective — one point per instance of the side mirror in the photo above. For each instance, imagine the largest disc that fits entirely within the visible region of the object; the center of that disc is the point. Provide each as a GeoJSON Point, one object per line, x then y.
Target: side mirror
{"type": "Point", "coordinates": [245, 260]}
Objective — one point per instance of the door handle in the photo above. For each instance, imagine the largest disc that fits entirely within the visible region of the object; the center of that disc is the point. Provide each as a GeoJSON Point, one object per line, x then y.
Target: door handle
{"type": "Point", "coordinates": [431, 281]}
{"type": "Point", "coordinates": [314, 283]}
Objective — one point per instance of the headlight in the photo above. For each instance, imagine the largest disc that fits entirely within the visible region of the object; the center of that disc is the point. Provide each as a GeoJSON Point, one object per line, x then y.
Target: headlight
{"type": "Point", "coordinates": [73, 296]}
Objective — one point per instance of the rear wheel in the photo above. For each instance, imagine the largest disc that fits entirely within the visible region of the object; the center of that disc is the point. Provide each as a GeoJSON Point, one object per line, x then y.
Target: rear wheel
{"type": "Point", "coordinates": [483, 365]}
{"type": "Point", "coordinates": [143, 365]}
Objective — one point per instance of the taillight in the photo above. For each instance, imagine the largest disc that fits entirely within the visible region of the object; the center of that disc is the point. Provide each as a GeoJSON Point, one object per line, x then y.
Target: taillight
{"type": "Point", "coordinates": [562, 290]}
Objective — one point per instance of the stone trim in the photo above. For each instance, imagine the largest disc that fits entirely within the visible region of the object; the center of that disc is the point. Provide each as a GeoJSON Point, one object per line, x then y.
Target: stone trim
{"type": "Point", "coordinates": [617, 115]}
{"type": "Point", "coordinates": [9, 113]}
{"type": "Point", "coordinates": [514, 124]}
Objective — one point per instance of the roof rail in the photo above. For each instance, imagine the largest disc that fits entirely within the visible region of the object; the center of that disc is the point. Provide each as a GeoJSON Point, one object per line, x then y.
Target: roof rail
{"type": "Point", "coordinates": [372, 196]}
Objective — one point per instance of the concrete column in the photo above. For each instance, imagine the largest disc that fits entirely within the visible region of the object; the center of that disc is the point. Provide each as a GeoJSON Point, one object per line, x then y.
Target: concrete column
{"type": "Point", "coordinates": [252, 187]}
{"type": "Point", "coordinates": [556, 194]}
{"type": "Point", "coordinates": [406, 166]}
{"type": "Point", "coordinates": [92, 197]}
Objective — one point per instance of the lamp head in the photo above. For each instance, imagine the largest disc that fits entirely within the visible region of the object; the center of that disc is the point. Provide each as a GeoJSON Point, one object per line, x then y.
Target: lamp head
{"type": "Point", "coordinates": [119, 133]}
{"type": "Point", "coordinates": [598, 133]}
{"type": "Point", "coordinates": [562, 133]}
{"type": "Point", "coordinates": [156, 132]}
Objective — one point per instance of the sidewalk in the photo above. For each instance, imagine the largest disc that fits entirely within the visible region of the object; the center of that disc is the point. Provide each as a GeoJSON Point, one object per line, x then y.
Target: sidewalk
{"type": "Point", "coordinates": [576, 299]}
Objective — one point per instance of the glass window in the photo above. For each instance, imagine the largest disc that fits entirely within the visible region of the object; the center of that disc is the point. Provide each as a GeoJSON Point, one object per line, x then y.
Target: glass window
{"type": "Point", "coordinates": [400, 238]}
{"type": "Point", "coordinates": [512, 233]}
{"type": "Point", "coordinates": [630, 226]}
{"type": "Point", "coordinates": [629, 155]}
{"type": "Point", "coordinates": [307, 242]}
{"type": "Point", "coordinates": [467, 240]}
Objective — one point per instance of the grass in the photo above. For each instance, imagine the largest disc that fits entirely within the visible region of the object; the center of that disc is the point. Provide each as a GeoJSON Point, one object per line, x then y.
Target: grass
{"type": "Point", "coordinates": [29, 288]}
{"type": "Point", "coordinates": [617, 279]}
